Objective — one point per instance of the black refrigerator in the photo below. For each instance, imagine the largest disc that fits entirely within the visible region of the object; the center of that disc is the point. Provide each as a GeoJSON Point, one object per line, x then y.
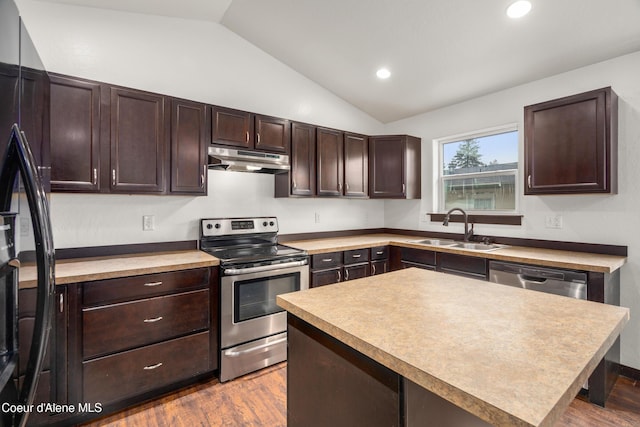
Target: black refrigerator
{"type": "Point", "coordinates": [24, 207]}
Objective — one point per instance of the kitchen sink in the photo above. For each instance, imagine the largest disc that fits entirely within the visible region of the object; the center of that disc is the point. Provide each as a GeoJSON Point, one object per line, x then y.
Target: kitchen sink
{"type": "Point", "coordinates": [436, 242]}
{"type": "Point", "coordinates": [483, 247]}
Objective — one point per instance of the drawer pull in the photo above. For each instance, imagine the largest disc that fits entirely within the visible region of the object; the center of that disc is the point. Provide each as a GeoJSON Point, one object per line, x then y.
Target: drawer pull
{"type": "Point", "coordinates": [327, 259]}
{"type": "Point", "coordinates": [152, 367]}
{"type": "Point", "coordinates": [356, 256]}
{"type": "Point", "coordinates": [379, 252]}
{"type": "Point", "coordinates": [151, 284]}
{"type": "Point", "coordinates": [154, 320]}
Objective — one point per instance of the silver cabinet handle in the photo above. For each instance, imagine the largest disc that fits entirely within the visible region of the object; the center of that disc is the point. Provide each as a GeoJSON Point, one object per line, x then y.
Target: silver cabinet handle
{"type": "Point", "coordinates": [113, 177]}
{"type": "Point", "coordinates": [203, 177]}
{"type": "Point", "coordinates": [247, 136]}
{"type": "Point", "coordinates": [346, 186]}
{"type": "Point", "coordinates": [373, 269]}
{"type": "Point", "coordinates": [294, 185]}
{"type": "Point", "coordinates": [61, 302]}
{"type": "Point", "coordinates": [152, 367]}
{"type": "Point", "coordinates": [339, 186]}
{"type": "Point", "coordinates": [339, 276]}
{"type": "Point", "coordinates": [529, 181]}
{"type": "Point", "coordinates": [95, 176]}
{"type": "Point", "coordinates": [404, 189]}
{"type": "Point", "coordinates": [346, 274]}
{"type": "Point", "coordinates": [379, 252]}
{"type": "Point", "coordinates": [152, 284]}
{"type": "Point", "coordinates": [154, 320]}
{"type": "Point", "coordinates": [327, 259]}
{"type": "Point", "coordinates": [356, 256]}
{"type": "Point", "coordinates": [258, 138]}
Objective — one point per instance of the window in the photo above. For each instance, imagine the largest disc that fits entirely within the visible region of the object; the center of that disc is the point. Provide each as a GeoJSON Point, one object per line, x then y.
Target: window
{"type": "Point", "coordinates": [478, 171]}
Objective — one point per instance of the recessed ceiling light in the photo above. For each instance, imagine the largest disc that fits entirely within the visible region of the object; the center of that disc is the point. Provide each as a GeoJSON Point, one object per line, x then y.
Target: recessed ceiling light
{"type": "Point", "coordinates": [518, 9]}
{"type": "Point", "coordinates": [383, 73]}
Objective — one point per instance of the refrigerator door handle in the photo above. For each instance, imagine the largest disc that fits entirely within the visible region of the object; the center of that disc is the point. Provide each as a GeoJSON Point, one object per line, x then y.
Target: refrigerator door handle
{"type": "Point", "coordinates": [19, 159]}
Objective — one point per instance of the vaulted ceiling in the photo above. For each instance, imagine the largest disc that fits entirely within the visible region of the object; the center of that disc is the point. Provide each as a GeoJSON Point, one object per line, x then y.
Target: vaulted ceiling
{"type": "Point", "coordinates": [439, 52]}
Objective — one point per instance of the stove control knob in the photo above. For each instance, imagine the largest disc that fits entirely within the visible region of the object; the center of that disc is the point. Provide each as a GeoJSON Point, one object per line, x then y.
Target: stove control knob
{"type": "Point", "coordinates": [218, 225]}
{"type": "Point", "coordinates": [264, 224]}
{"type": "Point", "coordinates": [209, 226]}
{"type": "Point", "coordinates": [272, 223]}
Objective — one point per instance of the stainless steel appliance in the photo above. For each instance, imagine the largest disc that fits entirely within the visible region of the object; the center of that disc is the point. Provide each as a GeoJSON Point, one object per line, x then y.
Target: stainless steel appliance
{"type": "Point", "coordinates": [254, 269]}
{"type": "Point", "coordinates": [247, 161]}
{"type": "Point", "coordinates": [550, 280]}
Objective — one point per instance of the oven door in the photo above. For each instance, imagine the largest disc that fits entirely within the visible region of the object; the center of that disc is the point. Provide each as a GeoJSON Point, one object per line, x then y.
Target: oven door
{"type": "Point", "coordinates": [248, 308]}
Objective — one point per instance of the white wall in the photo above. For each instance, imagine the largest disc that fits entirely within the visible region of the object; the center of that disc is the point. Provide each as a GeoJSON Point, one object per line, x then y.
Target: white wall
{"type": "Point", "coordinates": [206, 62]}
{"type": "Point", "coordinates": [607, 219]}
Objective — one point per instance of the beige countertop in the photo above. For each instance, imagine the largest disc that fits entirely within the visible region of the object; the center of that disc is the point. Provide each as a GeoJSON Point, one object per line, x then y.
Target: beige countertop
{"type": "Point", "coordinates": [508, 355]}
{"type": "Point", "coordinates": [89, 269]}
{"type": "Point", "coordinates": [543, 257]}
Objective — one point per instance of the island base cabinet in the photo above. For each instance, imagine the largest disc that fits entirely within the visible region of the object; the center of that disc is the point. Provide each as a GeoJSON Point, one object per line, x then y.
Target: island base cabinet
{"type": "Point", "coordinates": [421, 405]}
{"type": "Point", "coordinates": [112, 378]}
{"type": "Point", "coordinates": [331, 384]}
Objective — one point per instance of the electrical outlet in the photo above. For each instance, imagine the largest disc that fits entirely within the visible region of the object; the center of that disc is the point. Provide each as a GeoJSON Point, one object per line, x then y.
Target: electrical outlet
{"type": "Point", "coordinates": [553, 221]}
{"type": "Point", "coordinates": [317, 218]}
{"type": "Point", "coordinates": [148, 222]}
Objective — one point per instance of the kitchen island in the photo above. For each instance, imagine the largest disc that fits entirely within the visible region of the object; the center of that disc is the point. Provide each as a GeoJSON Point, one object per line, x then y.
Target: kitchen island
{"type": "Point", "coordinates": [412, 340]}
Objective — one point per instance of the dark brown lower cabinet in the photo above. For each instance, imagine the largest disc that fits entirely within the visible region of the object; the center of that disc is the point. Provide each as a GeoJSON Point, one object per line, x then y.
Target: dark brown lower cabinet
{"type": "Point", "coordinates": [331, 384]}
{"type": "Point", "coordinates": [462, 265]}
{"type": "Point", "coordinates": [52, 384]}
{"type": "Point", "coordinates": [136, 337]}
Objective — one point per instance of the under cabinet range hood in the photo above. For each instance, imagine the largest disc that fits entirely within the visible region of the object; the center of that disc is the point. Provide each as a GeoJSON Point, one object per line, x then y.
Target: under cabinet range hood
{"type": "Point", "coordinates": [247, 161]}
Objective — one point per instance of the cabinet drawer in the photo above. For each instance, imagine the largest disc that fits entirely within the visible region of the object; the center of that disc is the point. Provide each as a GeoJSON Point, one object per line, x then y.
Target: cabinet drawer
{"type": "Point", "coordinates": [419, 256]}
{"type": "Point", "coordinates": [127, 288]}
{"type": "Point", "coordinates": [328, 260]}
{"type": "Point", "coordinates": [356, 256]}
{"type": "Point", "coordinates": [121, 375]}
{"type": "Point", "coordinates": [379, 253]}
{"type": "Point", "coordinates": [117, 327]}
{"type": "Point", "coordinates": [463, 265]}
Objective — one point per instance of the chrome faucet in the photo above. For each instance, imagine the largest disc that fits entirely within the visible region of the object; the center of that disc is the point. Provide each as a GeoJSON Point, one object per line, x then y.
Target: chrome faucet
{"type": "Point", "coordinates": [468, 234]}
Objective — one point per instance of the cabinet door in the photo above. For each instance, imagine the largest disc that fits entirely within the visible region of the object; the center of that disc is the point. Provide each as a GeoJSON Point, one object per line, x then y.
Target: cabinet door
{"type": "Point", "coordinates": [462, 265]}
{"type": "Point", "coordinates": [74, 134]}
{"type": "Point", "coordinates": [231, 127]}
{"type": "Point", "coordinates": [188, 147]}
{"type": "Point", "coordinates": [138, 141]}
{"type": "Point", "coordinates": [387, 167]}
{"type": "Point", "coordinates": [272, 134]}
{"type": "Point", "coordinates": [379, 267]}
{"type": "Point", "coordinates": [570, 144]}
{"type": "Point", "coordinates": [326, 277]}
{"type": "Point", "coordinates": [356, 271]}
{"type": "Point", "coordinates": [356, 165]}
{"type": "Point", "coordinates": [52, 384]}
{"type": "Point", "coordinates": [303, 160]}
{"type": "Point", "coordinates": [329, 162]}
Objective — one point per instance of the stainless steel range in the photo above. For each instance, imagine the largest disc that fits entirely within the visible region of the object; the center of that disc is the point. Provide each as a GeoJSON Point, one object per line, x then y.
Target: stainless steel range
{"type": "Point", "coordinates": [254, 268]}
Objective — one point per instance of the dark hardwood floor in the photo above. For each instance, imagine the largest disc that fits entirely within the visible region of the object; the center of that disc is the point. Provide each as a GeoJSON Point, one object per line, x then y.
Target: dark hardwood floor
{"type": "Point", "coordinates": [259, 399]}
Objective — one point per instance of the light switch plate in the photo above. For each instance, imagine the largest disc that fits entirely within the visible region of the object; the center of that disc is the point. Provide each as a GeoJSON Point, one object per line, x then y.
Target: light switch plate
{"type": "Point", "coordinates": [148, 222]}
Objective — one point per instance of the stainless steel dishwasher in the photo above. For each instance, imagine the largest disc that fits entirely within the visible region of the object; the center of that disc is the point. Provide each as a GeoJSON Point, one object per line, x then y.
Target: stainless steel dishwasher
{"type": "Point", "coordinates": [567, 283]}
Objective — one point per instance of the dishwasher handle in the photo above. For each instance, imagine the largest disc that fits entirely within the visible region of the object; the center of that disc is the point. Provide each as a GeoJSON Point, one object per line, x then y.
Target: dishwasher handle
{"type": "Point", "coordinates": [529, 278]}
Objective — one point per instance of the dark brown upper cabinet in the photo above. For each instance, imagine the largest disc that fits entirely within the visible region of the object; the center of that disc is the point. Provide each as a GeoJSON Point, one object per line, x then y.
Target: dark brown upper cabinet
{"type": "Point", "coordinates": [394, 167]}
{"type": "Point", "coordinates": [301, 180]}
{"type": "Point", "coordinates": [571, 144]}
{"type": "Point", "coordinates": [251, 131]}
{"type": "Point", "coordinates": [138, 141]}
{"type": "Point", "coordinates": [356, 165]}
{"type": "Point", "coordinates": [272, 134]}
{"type": "Point", "coordinates": [330, 162]}
{"type": "Point", "coordinates": [188, 147]}
{"type": "Point", "coordinates": [231, 127]}
{"type": "Point", "coordinates": [74, 134]}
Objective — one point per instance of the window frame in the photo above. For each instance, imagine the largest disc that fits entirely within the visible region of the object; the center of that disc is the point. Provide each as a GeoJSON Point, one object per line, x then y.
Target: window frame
{"type": "Point", "coordinates": [440, 178]}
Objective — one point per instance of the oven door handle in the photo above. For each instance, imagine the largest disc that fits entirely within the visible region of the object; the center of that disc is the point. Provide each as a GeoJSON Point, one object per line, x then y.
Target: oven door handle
{"type": "Point", "coordinates": [233, 353]}
{"type": "Point", "coordinates": [238, 271]}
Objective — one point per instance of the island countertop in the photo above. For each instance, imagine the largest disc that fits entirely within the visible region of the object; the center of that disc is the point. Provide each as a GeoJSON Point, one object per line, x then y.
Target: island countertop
{"type": "Point", "coordinates": [507, 355]}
